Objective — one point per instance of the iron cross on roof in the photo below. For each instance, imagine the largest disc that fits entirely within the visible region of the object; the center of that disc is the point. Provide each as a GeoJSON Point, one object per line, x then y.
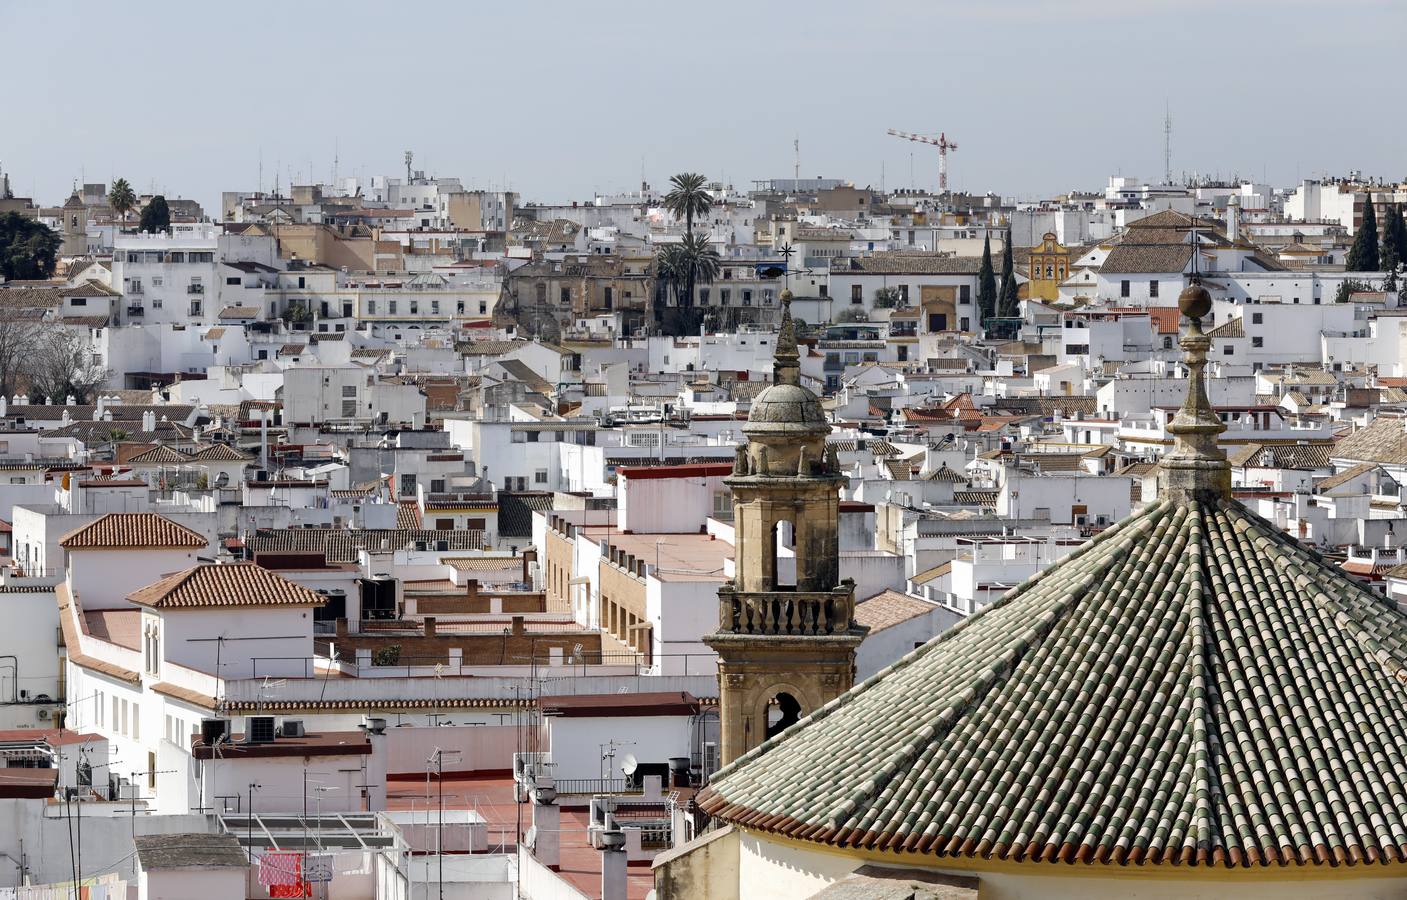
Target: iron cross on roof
{"type": "Point", "coordinates": [787, 252]}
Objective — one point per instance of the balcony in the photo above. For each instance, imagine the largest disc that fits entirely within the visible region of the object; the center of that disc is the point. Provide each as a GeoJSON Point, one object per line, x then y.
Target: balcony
{"type": "Point", "coordinates": [136, 311]}
{"type": "Point", "coordinates": [783, 613]}
{"type": "Point", "coordinates": [195, 289]}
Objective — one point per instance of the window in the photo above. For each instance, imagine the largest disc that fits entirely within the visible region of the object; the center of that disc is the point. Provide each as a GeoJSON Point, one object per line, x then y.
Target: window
{"type": "Point", "coordinates": [156, 281]}
{"type": "Point", "coordinates": [1257, 318]}
{"type": "Point", "coordinates": [856, 294]}
{"type": "Point", "coordinates": [566, 296]}
{"type": "Point", "coordinates": [904, 294]}
{"type": "Point", "coordinates": [1124, 288]}
{"type": "Point", "coordinates": [964, 294]}
{"type": "Point", "coordinates": [1228, 350]}
{"type": "Point", "coordinates": [136, 722]}
{"type": "Point", "coordinates": [1152, 285]}
{"type": "Point", "coordinates": [1257, 342]}
{"type": "Point", "coordinates": [540, 476]}
{"type": "Point", "coordinates": [232, 281]}
{"type": "Point", "coordinates": [78, 301]}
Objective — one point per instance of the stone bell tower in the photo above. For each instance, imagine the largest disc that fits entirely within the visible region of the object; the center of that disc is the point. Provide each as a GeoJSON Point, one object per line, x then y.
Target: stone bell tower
{"type": "Point", "coordinates": [786, 633]}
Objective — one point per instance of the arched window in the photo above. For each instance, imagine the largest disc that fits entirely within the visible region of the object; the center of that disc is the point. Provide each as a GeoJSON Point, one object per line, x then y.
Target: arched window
{"type": "Point", "coordinates": [783, 567]}
{"type": "Point", "coordinates": [783, 711]}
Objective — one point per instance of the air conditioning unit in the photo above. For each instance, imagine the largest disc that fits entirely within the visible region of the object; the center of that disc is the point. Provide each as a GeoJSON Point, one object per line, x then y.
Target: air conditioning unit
{"type": "Point", "coordinates": [260, 730]}
{"type": "Point", "coordinates": [212, 731]}
{"type": "Point", "coordinates": [292, 728]}
{"type": "Point", "coordinates": [710, 757]}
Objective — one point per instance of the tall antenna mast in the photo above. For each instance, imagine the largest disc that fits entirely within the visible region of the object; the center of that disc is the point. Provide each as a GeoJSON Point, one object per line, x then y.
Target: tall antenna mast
{"type": "Point", "coordinates": [796, 162]}
{"type": "Point", "coordinates": [1167, 143]}
{"type": "Point", "coordinates": [408, 157]}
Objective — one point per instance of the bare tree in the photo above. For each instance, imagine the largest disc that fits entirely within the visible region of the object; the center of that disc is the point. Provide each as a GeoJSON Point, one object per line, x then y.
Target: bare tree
{"type": "Point", "coordinates": [19, 339]}
{"type": "Point", "coordinates": [65, 365]}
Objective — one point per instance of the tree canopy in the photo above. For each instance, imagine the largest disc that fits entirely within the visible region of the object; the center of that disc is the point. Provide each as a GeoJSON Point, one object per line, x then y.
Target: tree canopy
{"type": "Point", "coordinates": [687, 197]}
{"type": "Point", "coordinates": [28, 248]}
{"type": "Point", "coordinates": [122, 198]}
{"type": "Point", "coordinates": [678, 268]}
{"type": "Point", "coordinates": [987, 282]}
{"type": "Point", "coordinates": [156, 216]}
{"type": "Point", "coordinates": [1363, 255]}
{"type": "Point", "coordinates": [1010, 301]}
{"type": "Point", "coordinates": [1394, 243]}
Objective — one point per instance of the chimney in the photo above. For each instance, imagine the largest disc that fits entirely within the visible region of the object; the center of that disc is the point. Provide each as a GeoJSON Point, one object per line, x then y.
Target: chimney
{"type": "Point", "coordinates": [376, 765]}
{"type": "Point", "coordinates": [547, 824]}
{"type": "Point", "coordinates": [613, 861]}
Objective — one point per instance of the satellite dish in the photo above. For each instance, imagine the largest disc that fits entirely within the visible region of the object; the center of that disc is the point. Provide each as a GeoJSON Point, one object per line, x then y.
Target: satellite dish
{"type": "Point", "coordinates": [628, 764]}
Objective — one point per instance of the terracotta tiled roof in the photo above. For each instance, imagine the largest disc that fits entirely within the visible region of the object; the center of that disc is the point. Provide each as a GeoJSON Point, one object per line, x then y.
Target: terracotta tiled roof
{"type": "Point", "coordinates": [220, 453]}
{"type": "Point", "coordinates": [339, 545]}
{"type": "Point", "coordinates": [889, 608]}
{"type": "Point", "coordinates": [160, 456]}
{"type": "Point", "coordinates": [1344, 477]}
{"type": "Point", "coordinates": [235, 584]}
{"type": "Point", "coordinates": [1231, 328]}
{"type": "Point", "coordinates": [1382, 440]}
{"type": "Point", "coordinates": [132, 530]}
{"type": "Point", "coordinates": [1284, 456]}
{"type": "Point", "coordinates": [407, 514]}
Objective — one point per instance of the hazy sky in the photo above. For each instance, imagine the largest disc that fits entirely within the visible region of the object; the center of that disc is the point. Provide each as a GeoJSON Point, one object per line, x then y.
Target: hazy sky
{"type": "Point", "coordinates": [560, 99]}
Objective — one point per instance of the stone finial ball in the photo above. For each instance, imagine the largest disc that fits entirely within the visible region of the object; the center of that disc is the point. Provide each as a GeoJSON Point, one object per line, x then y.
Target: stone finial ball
{"type": "Point", "coordinates": [1194, 301]}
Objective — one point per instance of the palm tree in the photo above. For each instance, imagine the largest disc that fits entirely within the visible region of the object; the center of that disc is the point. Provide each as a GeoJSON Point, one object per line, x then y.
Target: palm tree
{"type": "Point", "coordinates": [122, 198]}
{"type": "Point", "coordinates": [667, 277]}
{"type": "Point", "coordinates": [698, 264]}
{"type": "Point", "coordinates": [688, 198]}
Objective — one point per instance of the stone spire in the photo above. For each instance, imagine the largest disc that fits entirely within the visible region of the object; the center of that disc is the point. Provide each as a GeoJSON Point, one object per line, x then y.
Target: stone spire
{"type": "Point", "coordinates": [1197, 468]}
{"type": "Point", "coordinates": [786, 361]}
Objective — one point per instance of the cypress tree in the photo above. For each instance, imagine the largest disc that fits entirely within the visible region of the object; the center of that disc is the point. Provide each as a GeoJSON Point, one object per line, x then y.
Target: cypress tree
{"type": "Point", "coordinates": [987, 282]}
{"type": "Point", "coordinates": [1363, 255]}
{"type": "Point", "coordinates": [1009, 303]}
{"type": "Point", "coordinates": [1394, 244]}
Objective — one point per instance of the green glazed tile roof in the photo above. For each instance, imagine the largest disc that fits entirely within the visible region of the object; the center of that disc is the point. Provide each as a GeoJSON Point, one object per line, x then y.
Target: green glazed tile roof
{"type": "Point", "coordinates": [1191, 687]}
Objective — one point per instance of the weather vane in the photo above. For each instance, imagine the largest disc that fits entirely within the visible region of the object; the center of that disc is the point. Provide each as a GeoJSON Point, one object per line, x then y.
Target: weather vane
{"type": "Point", "coordinates": [787, 252]}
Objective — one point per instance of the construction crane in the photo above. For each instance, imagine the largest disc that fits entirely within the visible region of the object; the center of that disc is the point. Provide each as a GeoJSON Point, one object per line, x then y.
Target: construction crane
{"type": "Point", "coordinates": [943, 145]}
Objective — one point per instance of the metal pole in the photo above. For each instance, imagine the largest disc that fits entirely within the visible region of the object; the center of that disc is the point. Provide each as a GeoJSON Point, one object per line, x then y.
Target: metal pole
{"type": "Point", "coordinates": [440, 839]}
